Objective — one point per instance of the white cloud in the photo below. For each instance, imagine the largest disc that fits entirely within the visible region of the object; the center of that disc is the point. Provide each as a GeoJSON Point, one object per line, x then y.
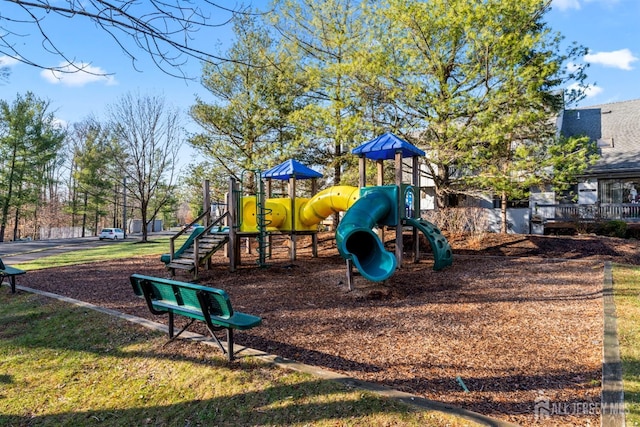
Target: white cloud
{"type": "Point", "coordinates": [589, 91]}
{"type": "Point", "coordinates": [592, 91]}
{"type": "Point", "coordinates": [577, 4]}
{"type": "Point", "coordinates": [78, 75]}
{"type": "Point", "coordinates": [621, 59]}
{"type": "Point", "coordinates": [607, 3]}
{"type": "Point", "coordinates": [566, 4]}
{"type": "Point", "coordinates": [7, 61]}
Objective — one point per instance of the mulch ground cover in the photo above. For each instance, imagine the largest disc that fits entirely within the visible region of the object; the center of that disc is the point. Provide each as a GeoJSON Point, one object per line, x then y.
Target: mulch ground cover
{"type": "Point", "coordinates": [513, 320]}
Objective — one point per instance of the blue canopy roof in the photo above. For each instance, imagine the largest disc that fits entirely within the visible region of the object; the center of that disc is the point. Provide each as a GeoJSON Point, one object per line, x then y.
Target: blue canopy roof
{"type": "Point", "coordinates": [291, 168]}
{"type": "Point", "coordinates": [385, 147]}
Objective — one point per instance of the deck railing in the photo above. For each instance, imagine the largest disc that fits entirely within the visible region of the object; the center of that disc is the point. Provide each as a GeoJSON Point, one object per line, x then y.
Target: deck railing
{"type": "Point", "coordinates": [629, 212]}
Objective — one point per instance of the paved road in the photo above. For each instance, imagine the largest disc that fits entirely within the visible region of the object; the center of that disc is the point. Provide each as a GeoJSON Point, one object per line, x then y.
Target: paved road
{"type": "Point", "coordinates": [17, 252]}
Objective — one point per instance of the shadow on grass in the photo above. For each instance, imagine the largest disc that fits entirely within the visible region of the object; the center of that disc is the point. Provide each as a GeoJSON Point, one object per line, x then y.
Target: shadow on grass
{"type": "Point", "coordinates": [36, 325]}
{"type": "Point", "coordinates": [276, 405]}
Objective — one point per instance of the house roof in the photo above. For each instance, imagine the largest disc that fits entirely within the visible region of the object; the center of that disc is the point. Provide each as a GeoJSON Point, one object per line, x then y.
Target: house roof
{"type": "Point", "coordinates": [291, 168]}
{"type": "Point", "coordinates": [616, 128]}
{"type": "Point", "coordinates": [385, 147]}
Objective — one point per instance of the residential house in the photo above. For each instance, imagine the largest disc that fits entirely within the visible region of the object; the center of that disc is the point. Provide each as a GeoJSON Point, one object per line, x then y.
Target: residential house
{"type": "Point", "coordinates": [610, 188]}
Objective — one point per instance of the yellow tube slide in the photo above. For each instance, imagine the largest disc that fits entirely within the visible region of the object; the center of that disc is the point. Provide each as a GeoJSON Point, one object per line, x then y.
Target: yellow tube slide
{"type": "Point", "coordinates": [327, 202]}
{"type": "Point", "coordinates": [309, 211]}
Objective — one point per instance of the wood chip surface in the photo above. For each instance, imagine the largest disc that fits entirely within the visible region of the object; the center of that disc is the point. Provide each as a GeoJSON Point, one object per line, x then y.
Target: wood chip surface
{"type": "Point", "coordinates": [516, 319]}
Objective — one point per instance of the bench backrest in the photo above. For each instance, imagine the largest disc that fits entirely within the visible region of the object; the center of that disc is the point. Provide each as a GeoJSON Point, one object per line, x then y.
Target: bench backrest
{"type": "Point", "coordinates": [185, 295]}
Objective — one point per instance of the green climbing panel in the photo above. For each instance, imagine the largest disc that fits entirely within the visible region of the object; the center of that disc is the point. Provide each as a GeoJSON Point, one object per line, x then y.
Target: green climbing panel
{"type": "Point", "coordinates": [442, 253]}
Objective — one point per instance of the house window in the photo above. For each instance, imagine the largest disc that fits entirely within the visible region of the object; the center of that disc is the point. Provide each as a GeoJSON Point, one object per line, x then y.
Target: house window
{"type": "Point", "coordinates": [457, 200]}
{"type": "Point", "coordinates": [568, 196]}
{"type": "Point", "coordinates": [511, 203]}
{"type": "Point", "coordinates": [619, 191]}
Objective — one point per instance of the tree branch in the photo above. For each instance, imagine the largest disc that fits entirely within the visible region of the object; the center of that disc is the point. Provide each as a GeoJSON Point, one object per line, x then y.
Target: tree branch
{"type": "Point", "coordinates": [163, 29]}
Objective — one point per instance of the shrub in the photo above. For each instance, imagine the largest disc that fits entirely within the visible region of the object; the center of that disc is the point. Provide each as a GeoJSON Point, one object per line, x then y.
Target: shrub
{"type": "Point", "coordinates": [471, 220]}
{"type": "Point", "coordinates": [614, 228]}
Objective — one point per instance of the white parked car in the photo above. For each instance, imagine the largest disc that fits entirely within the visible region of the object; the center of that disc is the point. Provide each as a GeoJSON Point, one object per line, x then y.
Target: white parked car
{"type": "Point", "coordinates": [111, 233]}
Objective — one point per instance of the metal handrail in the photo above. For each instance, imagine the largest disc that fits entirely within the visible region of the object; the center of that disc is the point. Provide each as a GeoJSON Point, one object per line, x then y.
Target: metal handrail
{"type": "Point", "coordinates": [195, 221]}
{"type": "Point", "coordinates": [173, 238]}
{"type": "Point", "coordinates": [196, 241]}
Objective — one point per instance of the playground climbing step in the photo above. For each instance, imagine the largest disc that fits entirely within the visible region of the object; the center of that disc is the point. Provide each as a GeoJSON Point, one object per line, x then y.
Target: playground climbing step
{"type": "Point", "coordinates": [207, 246]}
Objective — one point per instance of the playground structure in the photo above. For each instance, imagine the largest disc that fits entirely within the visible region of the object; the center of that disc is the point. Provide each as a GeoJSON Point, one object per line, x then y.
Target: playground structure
{"type": "Point", "coordinates": [365, 209]}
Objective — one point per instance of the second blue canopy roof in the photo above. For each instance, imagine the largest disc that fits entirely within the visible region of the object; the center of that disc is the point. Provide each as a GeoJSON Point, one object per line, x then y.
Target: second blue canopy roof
{"type": "Point", "coordinates": [385, 147]}
{"type": "Point", "coordinates": [291, 168]}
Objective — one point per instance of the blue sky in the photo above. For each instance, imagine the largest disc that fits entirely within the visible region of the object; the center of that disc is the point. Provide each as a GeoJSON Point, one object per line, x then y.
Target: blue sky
{"type": "Point", "coordinates": [609, 28]}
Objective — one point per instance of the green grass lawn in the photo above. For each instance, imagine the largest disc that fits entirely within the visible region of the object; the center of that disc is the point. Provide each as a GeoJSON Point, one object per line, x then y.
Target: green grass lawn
{"type": "Point", "coordinates": [63, 365]}
{"type": "Point", "coordinates": [626, 285]}
{"type": "Point", "coordinates": [117, 250]}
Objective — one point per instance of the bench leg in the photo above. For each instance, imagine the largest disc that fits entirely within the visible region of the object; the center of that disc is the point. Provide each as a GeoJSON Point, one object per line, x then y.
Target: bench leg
{"type": "Point", "coordinates": [215, 339]}
{"type": "Point", "coordinates": [172, 335]}
{"type": "Point", "coordinates": [230, 344]}
{"type": "Point", "coordinates": [12, 281]}
{"type": "Point", "coordinates": [171, 324]}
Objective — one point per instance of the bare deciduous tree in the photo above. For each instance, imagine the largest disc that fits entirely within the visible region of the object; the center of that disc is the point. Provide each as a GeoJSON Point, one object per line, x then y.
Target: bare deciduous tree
{"type": "Point", "coordinates": [148, 136]}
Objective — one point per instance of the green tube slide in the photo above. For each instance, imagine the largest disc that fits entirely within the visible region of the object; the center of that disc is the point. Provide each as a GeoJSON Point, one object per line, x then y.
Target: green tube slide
{"type": "Point", "coordinates": [357, 242]}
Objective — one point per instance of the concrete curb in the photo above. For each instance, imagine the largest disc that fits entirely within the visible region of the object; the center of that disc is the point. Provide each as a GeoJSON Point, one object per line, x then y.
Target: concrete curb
{"type": "Point", "coordinates": [612, 398]}
{"type": "Point", "coordinates": [381, 390]}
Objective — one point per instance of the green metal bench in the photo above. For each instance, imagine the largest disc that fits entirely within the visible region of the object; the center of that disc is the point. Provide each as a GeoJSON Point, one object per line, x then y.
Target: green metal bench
{"type": "Point", "coordinates": [10, 273]}
{"type": "Point", "coordinates": [209, 305]}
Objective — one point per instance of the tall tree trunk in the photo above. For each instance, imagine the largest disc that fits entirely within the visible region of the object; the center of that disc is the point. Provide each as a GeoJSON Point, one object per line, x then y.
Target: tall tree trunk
{"type": "Point", "coordinates": [503, 212]}
{"type": "Point", "coordinates": [440, 181]}
{"type": "Point", "coordinates": [9, 195]}
{"type": "Point", "coordinates": [337, 173]}
{"type": "Point", "coordinates": [15, 225]}
{"type": "Point", "coordinates": [143, 215]}
{"type": "Point", "coordinates": [84, 214]}
{"type": "Point", "coordinates": [115, 205]}
{"type": "Point", "coordinates": [96, 219]}
{"type": "Point", "coordinates": [36, 217]}
{"type": "Point", "coordinates": [19, 194]}
{"type": "Point", "coordinates": [251, 184]}
{"type": "Point", "coordinates": [74, 199]}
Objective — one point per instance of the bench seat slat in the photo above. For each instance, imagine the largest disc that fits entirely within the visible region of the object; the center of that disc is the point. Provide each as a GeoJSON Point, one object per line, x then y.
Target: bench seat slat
{"type": "Point", "coordinates": [11, 271]}
{"type": "Point", "coordinates": [182, 310]}
{"type": "Point", "coordinates": [240, 321]}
